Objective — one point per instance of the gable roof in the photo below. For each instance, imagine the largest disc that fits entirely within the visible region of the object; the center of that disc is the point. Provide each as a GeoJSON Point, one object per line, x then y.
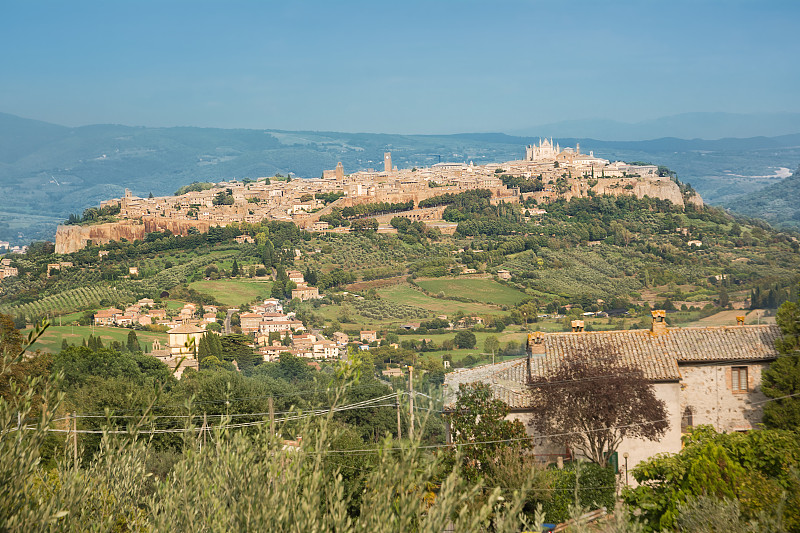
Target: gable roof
{"type": "Point", "coordinates": [659, 356]}
{"type": "Point", "coordinates": [186, 328]}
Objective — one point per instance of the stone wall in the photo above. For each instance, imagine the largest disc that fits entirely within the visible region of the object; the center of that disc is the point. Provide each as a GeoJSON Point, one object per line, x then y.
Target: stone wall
{"type": "Point", "coordinates": [638, 450]}
{"type": "Point", "coordinates": [707, 392]}
{"type": "Point", "coordinates": [423, 214]}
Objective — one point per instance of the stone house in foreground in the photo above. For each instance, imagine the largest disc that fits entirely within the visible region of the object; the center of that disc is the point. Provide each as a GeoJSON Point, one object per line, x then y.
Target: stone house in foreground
{"type": "Point", "coordinates": [705, 375]}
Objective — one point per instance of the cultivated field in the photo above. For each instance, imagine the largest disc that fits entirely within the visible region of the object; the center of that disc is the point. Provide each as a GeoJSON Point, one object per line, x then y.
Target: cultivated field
{"type": "Point", "coordinates": [406, 294]}
{"type": "Point", "coordinates": [233, 292]}
{"type": "Point", "coordinates": [51, 340]}
{"type": "Point", "coordinates": [483, 290]}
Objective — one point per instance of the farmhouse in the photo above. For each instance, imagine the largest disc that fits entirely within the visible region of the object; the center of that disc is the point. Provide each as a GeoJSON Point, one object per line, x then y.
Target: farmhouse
{"type": "Point", "coordinates": [705, 375]}
{"type": "Point", "coordinates": [369, 336]}
{"type": "Point", "coordinates": [305, 292]}
{"type": "Point", "coordinates": [106, 316]}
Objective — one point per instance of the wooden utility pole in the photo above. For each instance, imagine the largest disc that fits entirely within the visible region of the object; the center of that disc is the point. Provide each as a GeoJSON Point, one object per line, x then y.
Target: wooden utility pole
{"type": "Point", "coordinates": [397, 405]}
{"type": "Point", "coordinates": [411, 401]}
{"type": "Point", "coordinates": [204, 429]}
{"type": "Point", "coordinates": [272, 416]}
{"type": "Point", "coordinates": [75, 439]}
{"type": "Point", "coordinates": [68, 427]}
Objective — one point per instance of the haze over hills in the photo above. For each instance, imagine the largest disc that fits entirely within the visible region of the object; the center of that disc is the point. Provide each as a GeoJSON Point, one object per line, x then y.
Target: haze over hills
{"type": "Point", "coordinates": [703, 125]}
{"type": "Point", "coordinates": [779, 204]}
{"type": "Point", "coordinates": [48, 171]}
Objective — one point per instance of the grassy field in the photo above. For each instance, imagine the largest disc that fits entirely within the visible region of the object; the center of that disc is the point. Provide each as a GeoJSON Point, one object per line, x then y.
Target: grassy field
{"type": "Point", "coordinates": [233, 292]}
{"type": "Point", "coordinates": [51, 340]}
{"type": "Point", "coordinates": [483, 290]}
{"type": "Point", "coordinates": [405, 294]}
{"type": "Point", "coordinates": [509, 335]}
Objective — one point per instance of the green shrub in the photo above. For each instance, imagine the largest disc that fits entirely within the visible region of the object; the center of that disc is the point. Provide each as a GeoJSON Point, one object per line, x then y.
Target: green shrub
{"type": "Point", "coordinates": [596, 489]}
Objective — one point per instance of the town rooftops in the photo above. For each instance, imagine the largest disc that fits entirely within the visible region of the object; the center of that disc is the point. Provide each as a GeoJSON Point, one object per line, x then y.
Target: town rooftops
{"type": "Point", "coordinates": [658, 355]}
{"type": "Point", "coordinates": [109, 312]}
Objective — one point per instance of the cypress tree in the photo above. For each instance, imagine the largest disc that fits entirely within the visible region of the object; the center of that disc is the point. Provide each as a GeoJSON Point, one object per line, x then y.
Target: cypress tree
{"type": "Point", "coordinates": [133, 342]}
{"type": "Point", "coordinates": [217, 345]}
{"type": "Point", "coordinates": [202, 348]}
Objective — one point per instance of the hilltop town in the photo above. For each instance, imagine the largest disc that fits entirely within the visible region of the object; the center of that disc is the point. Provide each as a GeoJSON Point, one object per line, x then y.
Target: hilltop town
{"type": "Point", "coordinates": [547, 173]}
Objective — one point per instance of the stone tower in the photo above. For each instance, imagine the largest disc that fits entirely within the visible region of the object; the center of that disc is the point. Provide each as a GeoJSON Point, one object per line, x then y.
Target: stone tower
{"type": "Point", "coordinates": [387, 161]}
{"type": "Point", "coordinates": [339, 172]}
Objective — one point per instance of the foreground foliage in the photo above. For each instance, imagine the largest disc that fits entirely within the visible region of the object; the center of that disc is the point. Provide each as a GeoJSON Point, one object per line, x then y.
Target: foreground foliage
{"type": "Point", "coordinates": [226, 480]}
{"type": "Point", "coordinates": [758, 470]}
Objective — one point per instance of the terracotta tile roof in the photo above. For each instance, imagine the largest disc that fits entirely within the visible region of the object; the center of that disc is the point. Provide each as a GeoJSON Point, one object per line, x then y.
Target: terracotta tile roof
{"type": "Point", "coordinates": [186, 328]}
{"type": "Point", "coordinates": [659, 356]}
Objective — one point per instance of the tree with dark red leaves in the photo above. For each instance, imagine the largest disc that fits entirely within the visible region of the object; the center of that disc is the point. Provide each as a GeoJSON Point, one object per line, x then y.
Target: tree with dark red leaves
{"type": "Point", "coordinates": [592, 401]}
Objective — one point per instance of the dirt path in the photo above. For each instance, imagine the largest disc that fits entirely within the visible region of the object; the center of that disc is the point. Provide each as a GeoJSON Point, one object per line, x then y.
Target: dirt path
{"type": "Point", "coordinates": [728, 318]}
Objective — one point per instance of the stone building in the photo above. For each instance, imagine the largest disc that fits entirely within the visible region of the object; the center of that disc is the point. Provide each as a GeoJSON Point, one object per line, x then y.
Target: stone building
{"type": "Point", "coordinates": [106, 317]}
{"type": "Point", "coordinates": [176, 363]}
{"type": "Point", "coordinates": [543, 151]}
{"type": "Point", "coordinates": [369, 336]}
{"type": "Point", "coordinates": [305, 292]}
{"type": "Point", "coordinates": [705, 375]}
{"type": "Point", "coordinates": [250, 322]}
{"type": "Point", "coordinates": [181, 338]}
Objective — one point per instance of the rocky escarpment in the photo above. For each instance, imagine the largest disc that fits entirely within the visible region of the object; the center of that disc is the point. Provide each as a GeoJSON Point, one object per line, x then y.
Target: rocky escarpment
{"type": "Point", "coordinates": [661, 188]}
{"type": "Point", "coordinates": [73, 238]}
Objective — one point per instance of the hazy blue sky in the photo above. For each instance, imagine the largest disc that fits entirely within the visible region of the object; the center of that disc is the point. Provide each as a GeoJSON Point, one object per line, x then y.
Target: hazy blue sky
{"type": "Point", "coordinates": [403, 66]}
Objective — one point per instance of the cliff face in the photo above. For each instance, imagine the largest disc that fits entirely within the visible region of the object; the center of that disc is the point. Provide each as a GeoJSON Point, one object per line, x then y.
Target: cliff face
{"type": "Point", "coordinates": [664, 189]}
{"type": "Point", "coordinates": [73, 238]}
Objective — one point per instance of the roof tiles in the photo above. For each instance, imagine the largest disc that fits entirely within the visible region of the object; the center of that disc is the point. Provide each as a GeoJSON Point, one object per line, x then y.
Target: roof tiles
{"type": "Point", "coordinates": [657, 355]}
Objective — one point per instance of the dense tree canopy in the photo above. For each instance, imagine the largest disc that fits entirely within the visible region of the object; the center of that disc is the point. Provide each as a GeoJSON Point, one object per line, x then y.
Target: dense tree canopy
{"type": "Point", "coordinates": [757, 469]}
{"type": "Point", "coordinates": [479, 418]}
{"type": "Point", "coordinates": [781, 381]}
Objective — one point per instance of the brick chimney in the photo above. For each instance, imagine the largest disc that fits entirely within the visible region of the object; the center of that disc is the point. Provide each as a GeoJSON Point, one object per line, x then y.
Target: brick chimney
{"type": "Point", "coordinates": [740, 321]}
{"type": "Point", "coordinates": [577, 326]}
{"type": "Point", "coordinates": [659, 326]}
{"type": "Point", "coordinates": [536, 343]}
{"type": "Point", "coordinates": [535, 347]}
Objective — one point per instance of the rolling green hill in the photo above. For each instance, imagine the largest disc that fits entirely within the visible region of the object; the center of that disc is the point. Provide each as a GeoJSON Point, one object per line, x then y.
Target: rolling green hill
{"type": "Point", "coordinates": [779, 204]}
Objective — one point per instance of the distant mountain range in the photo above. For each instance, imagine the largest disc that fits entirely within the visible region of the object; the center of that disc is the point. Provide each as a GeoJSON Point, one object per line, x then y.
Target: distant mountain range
{"type": "Point", "coordinates": [49, 171]}
{"type": "Point", "coordinates": [684, 126]}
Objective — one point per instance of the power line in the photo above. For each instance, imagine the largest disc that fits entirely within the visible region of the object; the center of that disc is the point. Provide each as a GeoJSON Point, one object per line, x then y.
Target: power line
{"type": "Point", "coordinates": [367, 404]}
{"type": "Point", "coordinates": [241, 399]}
{"type": "Point", "coordinates": [233, 415]}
